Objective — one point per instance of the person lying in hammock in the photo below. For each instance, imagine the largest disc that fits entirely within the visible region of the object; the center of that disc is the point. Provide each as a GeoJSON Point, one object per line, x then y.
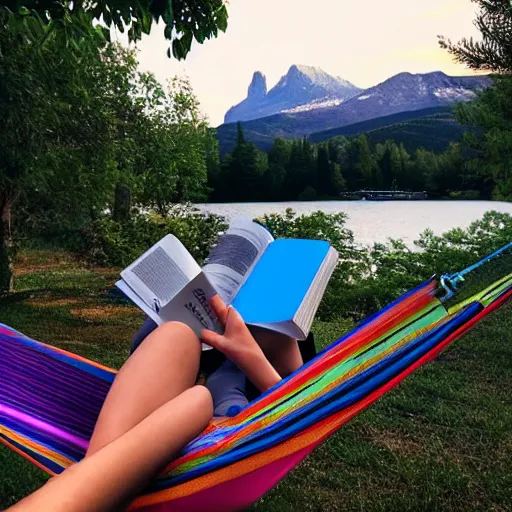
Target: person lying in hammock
{"type": "Point", "coordinates": [230, 388]}
{"type": "Point", "coordinates": [154, 408]}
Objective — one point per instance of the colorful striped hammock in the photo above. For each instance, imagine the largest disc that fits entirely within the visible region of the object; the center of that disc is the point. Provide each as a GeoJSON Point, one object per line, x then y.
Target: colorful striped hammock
{"type": "Point", "coordinates": [50, 399]}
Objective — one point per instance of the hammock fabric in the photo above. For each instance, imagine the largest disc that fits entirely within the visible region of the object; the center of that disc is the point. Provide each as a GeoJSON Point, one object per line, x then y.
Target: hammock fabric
{"type": "Point", "coordinates": [50, 400]}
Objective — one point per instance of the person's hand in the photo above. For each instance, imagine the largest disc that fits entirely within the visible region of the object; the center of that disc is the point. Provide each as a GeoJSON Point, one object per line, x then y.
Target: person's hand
{"type": "Point", "coordinates": [239, 346]}
{"type": "Point", "coordinates": [237, 343]}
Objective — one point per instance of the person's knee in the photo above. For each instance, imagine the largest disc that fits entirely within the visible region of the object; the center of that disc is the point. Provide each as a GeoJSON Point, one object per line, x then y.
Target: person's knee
{"type": "Point", "coordinates": [178, 329]}
{"type": "Point", "coordinates": [202, 400]}
{"type": "Point", "coordinates": [179, 334]}
{"type": "Point", "coordinates": [195, 406]}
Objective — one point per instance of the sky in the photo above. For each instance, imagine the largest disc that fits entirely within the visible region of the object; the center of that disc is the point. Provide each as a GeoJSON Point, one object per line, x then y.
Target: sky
{"type": "Point", "coordinates": [363, 41]}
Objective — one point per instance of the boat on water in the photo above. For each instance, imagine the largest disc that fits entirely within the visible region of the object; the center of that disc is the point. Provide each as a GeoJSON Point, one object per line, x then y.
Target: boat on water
{"type": "Point", "coordinates": [385, 195]}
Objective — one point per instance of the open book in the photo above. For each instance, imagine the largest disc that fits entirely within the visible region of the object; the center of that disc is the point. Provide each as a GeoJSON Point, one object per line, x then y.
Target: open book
{"type": "Point", "coordinates": [275, 284]}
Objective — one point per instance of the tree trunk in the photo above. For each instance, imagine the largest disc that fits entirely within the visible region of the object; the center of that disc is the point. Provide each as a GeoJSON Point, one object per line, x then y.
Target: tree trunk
{"type": "Point", "coordinates": [122, 203]}
{"type": "Point", "coordinates": [6, 274]}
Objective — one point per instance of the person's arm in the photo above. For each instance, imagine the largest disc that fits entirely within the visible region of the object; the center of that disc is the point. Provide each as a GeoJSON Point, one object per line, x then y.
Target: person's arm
{"type": "Point", "coordinates": [109, 479]}
{"type": "Point", "coordinates": [238, 345]}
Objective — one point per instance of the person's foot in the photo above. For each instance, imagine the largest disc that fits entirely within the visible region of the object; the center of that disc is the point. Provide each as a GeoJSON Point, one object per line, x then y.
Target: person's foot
{"type": "Point", "coordinates": [227, 387]}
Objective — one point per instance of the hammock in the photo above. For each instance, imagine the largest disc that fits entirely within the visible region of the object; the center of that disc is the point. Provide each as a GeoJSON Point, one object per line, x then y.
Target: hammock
{"type": "Point", "coordinates": [50, 399]}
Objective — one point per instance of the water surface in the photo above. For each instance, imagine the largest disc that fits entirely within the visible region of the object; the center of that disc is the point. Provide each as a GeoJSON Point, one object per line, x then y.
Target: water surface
{"type": "Point", "coordinates": [376, 221]}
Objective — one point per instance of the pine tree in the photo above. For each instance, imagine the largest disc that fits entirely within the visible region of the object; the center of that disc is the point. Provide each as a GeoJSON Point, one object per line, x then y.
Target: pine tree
{"type": "Point", "coordinates": [337, 181]}
{"type": "Point", "coordinates": [323, 165]}
{"type": "Point", "coordinates": [240, 137]}
{"type": "Point", "coordinates": [275, 175]}
{"type": "Point", "coordinates": [388, 158]}
{"type": "Point", "coordinates": [404, 163]}
{"type": "Point", "coordinates": [492, 111]}
{"type": "Point", "coordinates": [494, 52]}
{"type": "Point", "coordinates": [366, 168]}
{"type": "Point", "coordinates": [309, 163]}
{"type": "Point", "coordinates": [298, 169]}
{"type": "Point", "coordinates": [245, 177]}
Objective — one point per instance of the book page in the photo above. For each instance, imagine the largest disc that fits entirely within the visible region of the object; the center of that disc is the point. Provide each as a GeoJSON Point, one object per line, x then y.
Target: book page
{"type": "Point", "coordinates": [232, 259]}
{"type": "Point", "coordinates": [191, 306]}
{"type": "Point", "coordinates": [161, 273]}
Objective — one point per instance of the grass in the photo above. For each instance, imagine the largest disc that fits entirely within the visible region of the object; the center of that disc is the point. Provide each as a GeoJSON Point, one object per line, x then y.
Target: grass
{"type": "Point", "coordinates": [441, 441]}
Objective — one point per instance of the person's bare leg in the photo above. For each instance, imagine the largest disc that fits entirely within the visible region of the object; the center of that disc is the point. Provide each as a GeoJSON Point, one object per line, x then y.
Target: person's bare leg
{"type": "Point", "coordinates": [282, 351]}
{"type": "Point", "coordinates": [108, 480]}
{"type": "Point", "coordinates": [164, 366]}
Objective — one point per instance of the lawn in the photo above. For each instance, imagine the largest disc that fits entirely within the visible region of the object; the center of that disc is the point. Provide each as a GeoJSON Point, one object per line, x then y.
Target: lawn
{"type": "Point", "coordinates": [441, 441]}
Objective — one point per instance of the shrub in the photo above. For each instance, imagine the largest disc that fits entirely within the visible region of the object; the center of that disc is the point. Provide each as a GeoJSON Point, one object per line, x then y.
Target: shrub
{"type": "Point", "coordinates": [466, 195]}
{"type": "Point", "coordinates": [120, 243]}
{"type": "Point", "coordinates": [364, 281]}
{"type": "Point", "coordinates": [308, 194]}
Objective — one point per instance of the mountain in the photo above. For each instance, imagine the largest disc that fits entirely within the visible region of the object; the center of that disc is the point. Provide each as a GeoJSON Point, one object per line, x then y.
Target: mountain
{"type": "Point", "coordinates": [385, 123]}
{"type": "Point", "coordinates": [431, 128]}
{"type": "Point", "coordinates": [433, 132]}
{"type": "Point", "coordinates": [404, 92]}
{"type": "Point", "coordinates": [302, 85]}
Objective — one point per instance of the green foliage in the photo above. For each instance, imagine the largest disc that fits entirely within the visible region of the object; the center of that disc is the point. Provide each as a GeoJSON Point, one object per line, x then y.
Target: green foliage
{"type": "Point", "coordinates": [119, 244]}
{"type": "Point", "coordinates": [434, 132]}
{"type": "Point", "coordinates": [343, 164]}
{"type": "Point", "coordinates": [367, 279]}
{"type": "Point", "coordinates": [242, 173]}
{"type": "Point", "coordinates": [173, 144]}
{"type": "Point", "coordinates": [324, 171]}
{"type": "Point", "coordinates": [366, 170]}
{"type": "Point", "coordinates": [398, 268]}
{"type": "Point", "coordinates": [308, 194]}
{"type": "Point", "coordinates": [183, 20]}
{"type": "Point", "coordinates": [490, 165]}
{"type": "Point", "coordinates": [80, 122]}
{"type": "Point", "coordinates": [494, 51]}
{"type": "Point", "coordinates": [275, 175]}
{"type": "Point", "coordinates": [43, 85]}
{"type": "Point", "coordinates": [491, 148]}
{"type": "Point", "coordinates": [430, 128]}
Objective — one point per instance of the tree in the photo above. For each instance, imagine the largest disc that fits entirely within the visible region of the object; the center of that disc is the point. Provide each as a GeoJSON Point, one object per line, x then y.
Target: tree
{"type": "Point", "coordinates": [337, 181]}
{"type": "Point", "coordinates": [324, 172]}
{"type": "Point", "coordinates": [492, 111]}
{"type": "Point", "coordinates": [213, 164]}
{"type": "Point", "coordinates": [406, 179]}
{"type": "Point", "coordinates": [365, 166]}
{"type": "Point", "coordinates": [309, 163]}
{"type": "Point", "coordinates": [388, 159]}
{"type": "Point", "coordinates": [426, 166]}
{"type": "Point", "coordinates": [51, 122]}
{"type": "Point", "coordinates": [184, 20]}
{"type": "Point", "coordinates": [275, 175]}
{"type": "Point", "coordinates": [494, 52]}
{"type": "Point", "coordinates": [172, 141]}
{"type": "Point", "coordinates": [247, 166]}
{"type": "Point", "coordinates": [82, 132]}
{"type": "Point", "coordinates": [89, 142]}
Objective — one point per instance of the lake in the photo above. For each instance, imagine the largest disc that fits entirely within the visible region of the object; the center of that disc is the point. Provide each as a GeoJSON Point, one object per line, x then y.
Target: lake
{"type": "Point", "coordinates": [376, 221]}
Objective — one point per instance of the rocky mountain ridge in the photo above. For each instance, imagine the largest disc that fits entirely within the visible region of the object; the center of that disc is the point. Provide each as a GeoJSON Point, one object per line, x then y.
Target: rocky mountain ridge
{"type": "Point", "coordinates": [302, 85]}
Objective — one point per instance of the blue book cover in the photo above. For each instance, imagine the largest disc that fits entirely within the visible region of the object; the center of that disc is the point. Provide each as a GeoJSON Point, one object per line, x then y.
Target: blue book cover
{"type": "Point", "coordinates": [280, 280]}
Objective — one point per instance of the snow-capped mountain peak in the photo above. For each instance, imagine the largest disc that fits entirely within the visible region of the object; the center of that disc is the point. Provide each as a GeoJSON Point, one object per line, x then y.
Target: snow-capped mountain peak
{"type": "Point", "coordinates": [300, 86]}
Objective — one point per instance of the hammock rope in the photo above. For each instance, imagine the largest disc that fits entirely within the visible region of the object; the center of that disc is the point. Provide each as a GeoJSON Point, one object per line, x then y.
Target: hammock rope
{"type": "Point", "coordinates": [451, 282]}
